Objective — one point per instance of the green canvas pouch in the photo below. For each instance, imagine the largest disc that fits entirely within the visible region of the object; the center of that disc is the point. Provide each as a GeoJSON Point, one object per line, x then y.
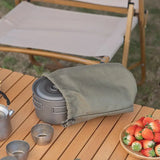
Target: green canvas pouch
{"type": "Point", "coordinates": [97, 90]}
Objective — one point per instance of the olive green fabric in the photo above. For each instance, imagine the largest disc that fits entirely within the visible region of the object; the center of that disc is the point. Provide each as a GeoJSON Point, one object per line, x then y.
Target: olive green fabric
{"type": "Point", "coordinates": [95, 90]}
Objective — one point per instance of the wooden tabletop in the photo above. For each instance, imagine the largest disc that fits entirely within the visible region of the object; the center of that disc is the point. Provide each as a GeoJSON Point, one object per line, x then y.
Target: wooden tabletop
{"type": "Point", "coordinates": [96, 139]}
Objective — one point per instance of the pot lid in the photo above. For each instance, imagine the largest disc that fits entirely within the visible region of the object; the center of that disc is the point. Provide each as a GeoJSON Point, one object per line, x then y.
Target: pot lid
{"type": "Point", "coordinates": [45, 89]}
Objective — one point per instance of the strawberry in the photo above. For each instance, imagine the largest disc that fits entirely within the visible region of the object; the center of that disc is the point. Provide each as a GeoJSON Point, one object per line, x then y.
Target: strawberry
{"type": "Point", "coordinates": [156, 137]}
{"type": "Point", "coordinates": [148, 144]}
{"type": "Point", "coordinates": [154, 126]}
{"type": "Point", "coordinates": [131, 129]}
{"type": "Point", "coordinates": [136, 146]}
{"type": "Point", "coordinates": [149, 152]}
{"type": "Point", "coordinates": [157, 150]}
{"type": "Point", "coordinates": [147, 134]}
{"type": "Point", "coordinates": [139, 122]}
{"type": "Point", "coordinates": [147, 120]}
{"type": "Point", "coordinates": [142, 118]}
{"type": "Point", "coordinates": [128, 139]}
{"type": "Point", "coordinates": [157, 120]}
{"type": "Point", "coordinates": [138, 133]}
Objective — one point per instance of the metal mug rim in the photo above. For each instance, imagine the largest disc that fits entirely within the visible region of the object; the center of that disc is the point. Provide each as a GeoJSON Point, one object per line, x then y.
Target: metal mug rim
{"type": "Point", "coordinates": [27, 144]}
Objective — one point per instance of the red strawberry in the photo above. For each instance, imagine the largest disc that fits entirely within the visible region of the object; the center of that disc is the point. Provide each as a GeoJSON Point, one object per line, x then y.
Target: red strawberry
{"type": "Point", "coordinates": [149, 152]}
{"type": "Point", "coordinates": [156, 137]}
{"type": "Point", "coordinates": [136, 146]}
{"type": "Point", "coordinates": [148, 144]}
{"type": "Point", "coordinates": [147, 120]}
{"type": "Point", "coordinates": [138, 133]}
{"type": "Point", "coordinates": [131, 129]}
{"type": "Point", "coordinates": [157, 150]}
{"type": "Point", "coordinates": [157, 120]}
{"type": "Point", "coordinates": [154, 126]}
{"type": "Point", "coordinates": [142, 118]}
{"type": "Point", "coordinates": [147, 134]}
{"type": "Point", "coordinates": [139, 123]}
{"type": "Point", "coordinates": [128, 139]}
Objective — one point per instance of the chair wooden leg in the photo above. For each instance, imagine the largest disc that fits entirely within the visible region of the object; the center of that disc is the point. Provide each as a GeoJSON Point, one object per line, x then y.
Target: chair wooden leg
{"type": "Point", "coordinates": [33, 60]}
{"type": "Point", "coordinates": [48, 66]}
{"type": "Point", "coordinates": [127, 35]}
{"type": "Point", "coordinates": [143, 59]}
{"type": "Point", "coordinates": [142, 23]}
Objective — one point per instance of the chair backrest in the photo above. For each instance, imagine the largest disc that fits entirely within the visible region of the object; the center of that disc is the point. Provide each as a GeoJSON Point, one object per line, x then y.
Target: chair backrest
{"type": "Point", "coordinates": [117, 6]}
{"type": "Point", "coordinates": [113, 3]}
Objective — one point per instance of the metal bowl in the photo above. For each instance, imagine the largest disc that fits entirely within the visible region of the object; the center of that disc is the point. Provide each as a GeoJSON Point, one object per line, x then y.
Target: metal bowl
{"type": "Point", "coordinates": [42, 133]}
{"type": "Point", "coordinates": [18, 149]}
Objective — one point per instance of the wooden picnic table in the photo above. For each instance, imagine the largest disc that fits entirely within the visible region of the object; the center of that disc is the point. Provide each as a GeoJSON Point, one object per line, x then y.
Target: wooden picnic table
{"type": "Point", "coordinates": [96, 139]}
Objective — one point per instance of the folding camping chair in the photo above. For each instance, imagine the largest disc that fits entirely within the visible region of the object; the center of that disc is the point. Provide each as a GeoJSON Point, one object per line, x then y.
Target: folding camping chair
{"type": "Point", "coordinates": [70, 35]}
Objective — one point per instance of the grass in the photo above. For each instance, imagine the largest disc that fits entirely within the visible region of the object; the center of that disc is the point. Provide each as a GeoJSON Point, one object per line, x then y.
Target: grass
{"type": "Point", "coordinates": [8, 62]}
{"type": "Point", "coordinates": [148, 93]}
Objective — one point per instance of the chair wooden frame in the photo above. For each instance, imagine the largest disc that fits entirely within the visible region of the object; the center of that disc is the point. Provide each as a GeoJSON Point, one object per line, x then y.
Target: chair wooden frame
{"type": "Point", "coordinates": [130, 12]}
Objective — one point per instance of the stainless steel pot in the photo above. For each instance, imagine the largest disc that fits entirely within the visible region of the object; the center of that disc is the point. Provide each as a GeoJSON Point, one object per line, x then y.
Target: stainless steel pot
{"type": "Point", "coordinates": [5, 114]}
{"type": "Point", "coordinates": [50, 105]}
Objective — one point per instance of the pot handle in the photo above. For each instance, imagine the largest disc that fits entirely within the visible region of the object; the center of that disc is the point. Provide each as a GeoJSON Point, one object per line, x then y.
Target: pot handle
{"type": "Point", "coordinates": [5, 97]}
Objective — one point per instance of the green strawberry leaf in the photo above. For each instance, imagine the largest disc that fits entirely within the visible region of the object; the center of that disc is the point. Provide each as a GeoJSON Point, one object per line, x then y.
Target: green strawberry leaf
{"type": "Point", "coordinates": [136, 147]}
{"type": "Point", "coordinates": [152, 153]}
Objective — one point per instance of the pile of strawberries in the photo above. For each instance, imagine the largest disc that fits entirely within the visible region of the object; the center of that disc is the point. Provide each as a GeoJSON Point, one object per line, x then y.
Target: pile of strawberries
{"type": "Point", "coordinates": [144, 136]}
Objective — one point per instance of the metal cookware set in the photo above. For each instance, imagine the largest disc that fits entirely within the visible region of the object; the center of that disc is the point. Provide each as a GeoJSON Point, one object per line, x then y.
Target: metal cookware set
{"type": "Point", "coordinates": [50, 105]}
{"type": "Point", "coordinates": [18, 149]}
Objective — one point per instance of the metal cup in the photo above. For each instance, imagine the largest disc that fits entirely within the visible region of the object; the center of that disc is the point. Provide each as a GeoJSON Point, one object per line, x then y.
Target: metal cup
{"type": "Point", "coordinates": [9, 158]}
{"type": "Point", "coordinates": [5, 124]}
{"type": "Point", "coordinates": [42, 133]}
{"type": "Point", "coordinates": [18, 149]}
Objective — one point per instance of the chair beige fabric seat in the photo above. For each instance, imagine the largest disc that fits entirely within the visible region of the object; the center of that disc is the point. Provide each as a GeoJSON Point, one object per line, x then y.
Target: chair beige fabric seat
{"type": "Point", "coordinates": [69, 32]}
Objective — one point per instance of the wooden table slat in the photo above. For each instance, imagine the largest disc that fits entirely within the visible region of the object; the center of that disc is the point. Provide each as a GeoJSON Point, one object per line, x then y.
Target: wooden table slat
{"type": "Point", "coordinates": [113, 138]}
{"type": "Point", "coordinates": [21, 99]}
{"type": "Point", "coordinates": [17, 88]}
{"type": "Point", "coordinates": [10, 81]}
{"type": "Point", "coordinates": [62, 142]}
{"type": "Point", "coordinates": [81, 139]}
{"type": "Point", "coordinates": [4, 73]}
{"type": "Point", "coordinates": [96, 139]}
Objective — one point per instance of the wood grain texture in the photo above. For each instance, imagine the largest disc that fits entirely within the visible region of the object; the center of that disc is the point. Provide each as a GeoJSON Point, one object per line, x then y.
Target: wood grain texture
{"type": "Point", "coordinates": [128, 35]}
{"type": "Point", "coordinates": [4, 73]}
{"type": "Point", "coordinates": [81, 139]}
{"type": "Point", "coordinates": [10, 81]}
{"type": "Point", "coordinates": [112, 139]}
{"type": "Point", "coordinates": [86, 5]}
{"type": "Point", "coordinates": [62, 142]}
{"type": "Point", "coordinates": [95, 139]}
